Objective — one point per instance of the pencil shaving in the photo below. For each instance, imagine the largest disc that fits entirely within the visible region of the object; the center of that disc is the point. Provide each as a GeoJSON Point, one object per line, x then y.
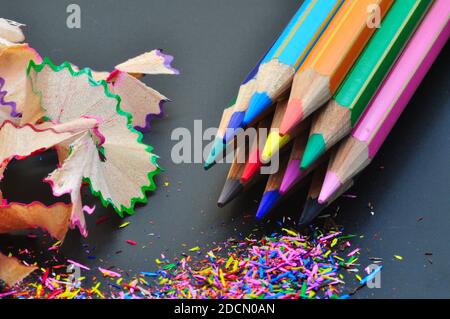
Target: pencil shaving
{"type": "Point", "coordinates": [17, 217]}
{"type": "Point", "coordinates": [12, 271]}
{"type": "Point", "coordinates": [11, 32]}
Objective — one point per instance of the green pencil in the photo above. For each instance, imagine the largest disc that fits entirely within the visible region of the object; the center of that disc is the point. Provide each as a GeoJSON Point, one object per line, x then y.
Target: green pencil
{"type": "Point", "coordinates": [336, 120]}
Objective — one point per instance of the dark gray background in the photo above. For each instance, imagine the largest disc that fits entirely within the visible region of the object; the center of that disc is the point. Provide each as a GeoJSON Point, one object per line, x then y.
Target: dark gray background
{"type": "Point", "coordinates": [215, 44]}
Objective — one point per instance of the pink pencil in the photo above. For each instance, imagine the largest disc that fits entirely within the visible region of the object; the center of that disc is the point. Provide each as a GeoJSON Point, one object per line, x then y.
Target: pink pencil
{"type": "Point", "coordinates": [358, 150]}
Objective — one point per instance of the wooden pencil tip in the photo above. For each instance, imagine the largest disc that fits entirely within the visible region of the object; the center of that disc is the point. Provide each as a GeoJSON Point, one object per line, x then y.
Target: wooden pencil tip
{"type": "Point", "coordinates": [268, 201]}
{"type": "Point", "coordinates": [259, 102]}
{"type": "Point", "coordinates": [314, 149]}
{"type": "Point", "coordinates": [233, 125]}
{"type": "Point", "coordinates": [230, 190]}
{"type": "Point", "coordinates": [311, 210]}
{"type": "Point", "coordinates": [292, 117]}
{"type": "Point", "coordinates": [291, 176]}
{"type": "Point", "coordinates": [330, 186]}
{"type": "Point", "coordinates": [217, 149]}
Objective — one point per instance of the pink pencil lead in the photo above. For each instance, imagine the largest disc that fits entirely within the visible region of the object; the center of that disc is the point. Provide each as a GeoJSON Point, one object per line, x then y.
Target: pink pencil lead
{"type": "Point", "coordinates": [330, 185]}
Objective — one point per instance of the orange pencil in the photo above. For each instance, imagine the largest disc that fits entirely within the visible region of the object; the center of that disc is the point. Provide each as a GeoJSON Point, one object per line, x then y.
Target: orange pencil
{"type": "Point", "coordinates": [333, 56]}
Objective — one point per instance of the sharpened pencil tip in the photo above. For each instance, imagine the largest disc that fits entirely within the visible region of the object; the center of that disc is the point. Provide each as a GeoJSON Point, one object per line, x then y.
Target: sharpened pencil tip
{"type": "Point", "coordinates": [292, 117]}
{"type": "Point", "coordinates": [230, 191]}
{"type": "Point", "coordinates": [251, 169]}
{"type": "Point", "coordinates": [268, 201]}
{"type": "Point", "coordinates": [330, 186]}
{"type": "Point", "coordinates": [234, 124]}
{"type": "Point", "coordinates": [259, 102]}
{"type": "Point", "coordinates": [216, 150]}
{"type": "Point", "coordinates": [291, 176]}
{"type": "Point", "coordinates": [273, 144]}
{"type": "Point", "coordinates": [311, 210]}
{"type": "Point", "coordinates": [314, 149]}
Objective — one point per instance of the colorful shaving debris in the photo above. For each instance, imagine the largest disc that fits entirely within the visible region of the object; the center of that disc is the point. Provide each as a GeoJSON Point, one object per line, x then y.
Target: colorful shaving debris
{"type": "Point", "coordinates": [285, 266]}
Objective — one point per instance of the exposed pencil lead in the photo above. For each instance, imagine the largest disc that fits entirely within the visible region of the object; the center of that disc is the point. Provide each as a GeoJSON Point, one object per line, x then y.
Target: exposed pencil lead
{"type": "Point", "coordinates": [230, 191]}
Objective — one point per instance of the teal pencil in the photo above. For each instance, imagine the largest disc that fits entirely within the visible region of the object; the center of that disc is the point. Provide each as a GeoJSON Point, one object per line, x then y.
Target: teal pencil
{"type": "Point", "coordinates": [218, 146]}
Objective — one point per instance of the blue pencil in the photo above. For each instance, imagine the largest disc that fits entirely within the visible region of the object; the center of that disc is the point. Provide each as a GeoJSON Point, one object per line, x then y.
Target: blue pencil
{"type": "Point", "coordinates": [272, 193]}
{"type": "Point", "coordinates": [246, 90]}
{"type": "Point", "coordinates": [277, 68]}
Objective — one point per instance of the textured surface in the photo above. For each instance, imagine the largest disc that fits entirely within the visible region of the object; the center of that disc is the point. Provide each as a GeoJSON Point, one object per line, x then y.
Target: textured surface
{"type": "Point", "coordinates": [213, 44]}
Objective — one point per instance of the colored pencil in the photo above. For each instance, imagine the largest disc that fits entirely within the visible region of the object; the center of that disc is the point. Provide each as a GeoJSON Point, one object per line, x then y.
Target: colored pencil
{"type": "Point", "coordinates": [233, 186]}
{"type": "Point", "coordinates": [328, 63]}
{"type": "Point", "coordinates": [234, 183]}
{"type": "Point", "coordinates": [219, 146]}
{"type": "Point", "coordinates": [272, 193]}
{"type": "Point", "coordinates": [254, 163]}
{"type": "Point", "coordinates": [293, 172]}
{"type": "Point", "coordinates": [275, 141]}
{"type": "Point", "coordinates": [263, 153]}
{"type": "Point", "coordinates": [340, 115]}
{"type": "Point", "coordinates": [275, 73]}
{"type": "Point", "coordinates": [246, 89]}
{"type": "Point", "coordinates": [358, 150]}
{"type": "Point", "coordinates": [312, 207]}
